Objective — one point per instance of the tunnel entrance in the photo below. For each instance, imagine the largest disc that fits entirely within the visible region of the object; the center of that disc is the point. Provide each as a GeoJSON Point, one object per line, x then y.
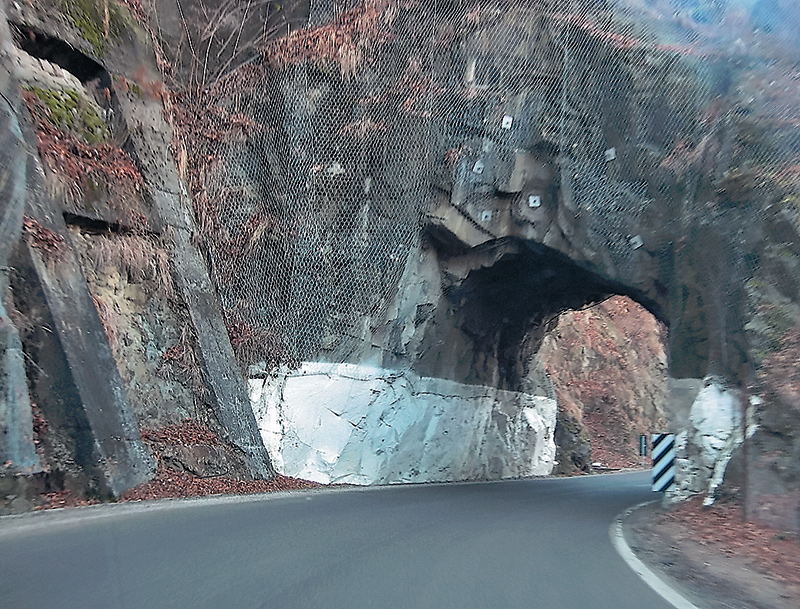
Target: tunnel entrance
{"type": "Point", "coordinates": [608, 366]}
{"type": "Point", "coordinates": [522, 317]}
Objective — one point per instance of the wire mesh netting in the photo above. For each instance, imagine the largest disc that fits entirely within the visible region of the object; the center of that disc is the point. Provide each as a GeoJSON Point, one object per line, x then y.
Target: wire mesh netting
{"type": "Point", "coordinates": [315, 163]}
{"type": "Point", "coordinates": [656, 143]}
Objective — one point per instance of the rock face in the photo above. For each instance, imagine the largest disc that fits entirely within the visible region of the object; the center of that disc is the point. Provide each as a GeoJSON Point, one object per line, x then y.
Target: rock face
{"type": "Point", "coordinates": [608, 364]}
{"type": "Point", "coordinates": [552, 158]}
{"type": "Point", "coordinates": [427, 194]}
{"type": "Point", "coordinates": [118, 321]}
{"type": "Point", "coordinates": [17, 452]}
{"type": "Point", "coordinates": [715, 428]}
{"type": "Point", "coordinates": [349, 424]}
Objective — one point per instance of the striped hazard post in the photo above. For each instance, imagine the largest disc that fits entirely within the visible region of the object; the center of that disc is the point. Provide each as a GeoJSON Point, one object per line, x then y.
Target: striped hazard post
{"type": "Point", "coordinates": [663, 450]}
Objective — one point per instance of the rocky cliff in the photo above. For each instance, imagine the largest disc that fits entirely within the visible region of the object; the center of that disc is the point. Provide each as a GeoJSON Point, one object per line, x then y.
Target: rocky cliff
{"type": "Point", "coordinates": [118, 321]}
{"type": "Point", "coordinates": [609, 369]}
{"type": "Point", "coordinates": [418, 191]}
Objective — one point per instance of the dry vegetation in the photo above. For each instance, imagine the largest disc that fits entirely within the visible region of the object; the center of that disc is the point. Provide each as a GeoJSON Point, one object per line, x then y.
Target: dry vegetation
{"type": "Point", "coordinates": [252, 344]}
{"type": "Point", "coordinates": [186, 433]}
{"type": "Point", "coordinates": [345, 43]}
{"type": "Point", "coordinates": [181, 362]}
{"type": "Point", "coordinates": [137, 257]}
{"type": "Point", "coordinates": [205, 127]}
{"type": "Point", "coordinates": [88, 169]}
{"type": "Point", "coordinates": [780, 374]}
{"type": "Point", "coordinates": [720, 528]}
{"type": "Point", "coordinates": [136, 9]}
{"type": "Point", "coordinates": [169, 482]}
{"type": "Point", "coordinates": [42, 238]}
{"type": "Point", "coordinates": [608, 365]}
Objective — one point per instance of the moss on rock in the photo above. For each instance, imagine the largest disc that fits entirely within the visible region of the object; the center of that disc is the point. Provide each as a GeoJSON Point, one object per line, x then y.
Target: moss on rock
{"type": "Point", "coordinates": [100, 22]}
{"type": "Point", "coordinates": [70, 111]}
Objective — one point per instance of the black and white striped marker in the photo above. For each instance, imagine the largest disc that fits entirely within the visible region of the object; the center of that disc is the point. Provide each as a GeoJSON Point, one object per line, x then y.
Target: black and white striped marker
{"type": "Point", "coordinates": [663, 461]}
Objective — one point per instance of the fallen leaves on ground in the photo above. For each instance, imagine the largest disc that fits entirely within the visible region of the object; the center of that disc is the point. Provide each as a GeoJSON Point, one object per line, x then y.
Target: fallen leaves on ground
{"type": "Point", "coordinates": [187, 433]}
{"type": "Point", "coordinates": [774, 553]}
{"type": "Point", "coordinates": [171, 483]}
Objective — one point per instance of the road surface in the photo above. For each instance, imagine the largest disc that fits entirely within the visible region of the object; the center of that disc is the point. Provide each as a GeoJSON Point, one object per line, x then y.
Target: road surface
{"type": "Point", "coordinates": [518, 544]}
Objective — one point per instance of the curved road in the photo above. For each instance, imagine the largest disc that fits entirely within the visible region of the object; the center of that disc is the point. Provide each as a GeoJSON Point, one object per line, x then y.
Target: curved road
{"type": "Point", "coordinates": [528, 543]}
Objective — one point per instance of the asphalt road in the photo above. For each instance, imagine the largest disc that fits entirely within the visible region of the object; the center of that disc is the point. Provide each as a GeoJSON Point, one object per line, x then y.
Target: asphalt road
{"type": "Point", "coordinates": [529, 543]}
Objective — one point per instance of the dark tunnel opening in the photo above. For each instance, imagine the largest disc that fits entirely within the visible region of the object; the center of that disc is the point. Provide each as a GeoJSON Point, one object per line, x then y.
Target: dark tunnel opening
{"type": "Point", "coordinates": [42, 46]}
{"type": "Point", "coordinates": [504, 309]}
{"type": "Point", "coordinates": [524, 319]}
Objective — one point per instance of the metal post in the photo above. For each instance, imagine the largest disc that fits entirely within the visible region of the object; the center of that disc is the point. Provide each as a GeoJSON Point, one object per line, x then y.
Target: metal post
{"type": "Point", "coordinates": [745, 491]}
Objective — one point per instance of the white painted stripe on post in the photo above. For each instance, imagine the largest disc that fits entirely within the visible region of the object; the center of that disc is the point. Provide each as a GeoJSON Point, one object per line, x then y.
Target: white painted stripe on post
{"type": "Point", "coordinates": [665, 480]}
{"type": "Point", "coordinates": [659, 451]}
{"type": "Point", "coordinates": [663, 474]}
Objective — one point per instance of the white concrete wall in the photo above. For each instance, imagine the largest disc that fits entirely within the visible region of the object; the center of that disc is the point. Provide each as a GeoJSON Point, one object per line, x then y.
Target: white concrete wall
{"type": "Point", "coordinates": [342, 423]}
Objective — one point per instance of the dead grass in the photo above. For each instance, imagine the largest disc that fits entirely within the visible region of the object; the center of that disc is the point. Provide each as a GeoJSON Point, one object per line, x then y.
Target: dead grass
{"type": "Point", "coordinates": [137, 257]}
{"type": "Point", "coordinates": [87, 170]}
{"type": "Point", "coordinates": [345, 43]}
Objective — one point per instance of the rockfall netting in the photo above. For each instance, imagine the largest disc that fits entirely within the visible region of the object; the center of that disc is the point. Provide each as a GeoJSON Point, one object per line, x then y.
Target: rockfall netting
{"type": "Point", "coordinates": [669, 125]}
{"type": "Point", "coordinates": [654, 142]}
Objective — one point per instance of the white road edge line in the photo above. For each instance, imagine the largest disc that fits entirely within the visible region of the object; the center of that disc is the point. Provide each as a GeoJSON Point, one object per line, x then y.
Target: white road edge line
{"type": "Point", "coordinates": [664, 590]}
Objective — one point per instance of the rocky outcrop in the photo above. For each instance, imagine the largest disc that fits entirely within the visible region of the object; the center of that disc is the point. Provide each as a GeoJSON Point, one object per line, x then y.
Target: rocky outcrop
{"type": "Point", "coordinates": [119, 322]}
{"type": "Point", "coordinates": [552, 161]}
{"type": "Point", "coordinates": [714, 432]}
{"type": "Point", "coordinates": [428, 193]}
{"type": "Point", "coordinates": [17, 451]}
{"type": "Point", "coordinates": [608, 364]}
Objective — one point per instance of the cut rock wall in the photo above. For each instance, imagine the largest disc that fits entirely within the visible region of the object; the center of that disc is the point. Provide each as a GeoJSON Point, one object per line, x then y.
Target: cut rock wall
{"type": "Point", "coordinates": [705, 447]}
{"type": "Point", "coordinates": [352, 424]}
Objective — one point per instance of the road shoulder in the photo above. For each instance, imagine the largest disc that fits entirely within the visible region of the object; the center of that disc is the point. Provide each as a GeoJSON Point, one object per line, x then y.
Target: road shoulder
{"type": "Point", "coordinates": [713, 559]}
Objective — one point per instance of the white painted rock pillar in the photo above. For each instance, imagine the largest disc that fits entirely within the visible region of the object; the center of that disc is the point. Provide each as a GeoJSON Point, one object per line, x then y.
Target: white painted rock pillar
{"type": "Point", "coordinates": [706, 446]}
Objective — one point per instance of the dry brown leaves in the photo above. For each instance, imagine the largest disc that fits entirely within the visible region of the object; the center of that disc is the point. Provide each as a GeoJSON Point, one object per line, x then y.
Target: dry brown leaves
{"type": "Point", "coordinates": [252, 344]}
{"type": "Point", "coordinates": [364, 127]}
{"type": "Point", "coordinates": [780, 374]}
{"type": "Point", "coordinates": [63, 499]}
{"type": "Point", "coordinates": [584, 23]}
{"type": "Point", "coordinates": [345, 42]}
{"type": "Point", "coordinates": [774, 553]}
{"type": "Point", "coordinates": [170, 483]}
{"type": "Point", "coordinates": [86, 166]}
{"type": "Point", "coordinates": [613, 343]}
{"type": "Point", "coordinates": [202, 127]}
{"type": "Point", "coordinates": [182, 358]}
{"type": "Point", "coordinates": [42, 238]}
{"type": "Point", "coordinates": [186, 433]}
